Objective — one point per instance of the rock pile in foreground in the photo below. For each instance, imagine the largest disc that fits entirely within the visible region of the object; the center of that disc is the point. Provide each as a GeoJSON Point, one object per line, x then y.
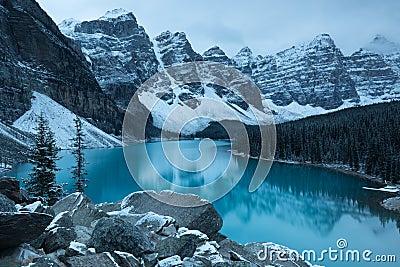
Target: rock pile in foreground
{"type": "Point", "coordinates": [137, 231]}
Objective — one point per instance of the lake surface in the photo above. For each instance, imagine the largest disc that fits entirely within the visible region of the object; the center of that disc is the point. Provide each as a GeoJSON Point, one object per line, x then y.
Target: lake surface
{"type": "Point", "coordinates": [297, 206]}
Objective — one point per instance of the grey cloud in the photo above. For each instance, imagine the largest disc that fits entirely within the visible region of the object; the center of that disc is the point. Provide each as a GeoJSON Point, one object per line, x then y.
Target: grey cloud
{"type": "Point", "coordinates": [265, 26]}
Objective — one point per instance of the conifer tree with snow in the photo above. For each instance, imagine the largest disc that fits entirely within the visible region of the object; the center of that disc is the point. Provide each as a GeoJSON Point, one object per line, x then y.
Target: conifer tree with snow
{"type": "Point", "coordinates": [79, 171]}
{"type": "Point", "coordinates": [44, 155]}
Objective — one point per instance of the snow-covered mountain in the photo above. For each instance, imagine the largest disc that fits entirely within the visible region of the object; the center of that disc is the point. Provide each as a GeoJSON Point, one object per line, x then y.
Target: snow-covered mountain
{"type": "Point", "coordinates": [64, 128]}
{"type": "Point", "coordinates": [308, 79]}
{"type": "Point", "coordinates": [119, 52]}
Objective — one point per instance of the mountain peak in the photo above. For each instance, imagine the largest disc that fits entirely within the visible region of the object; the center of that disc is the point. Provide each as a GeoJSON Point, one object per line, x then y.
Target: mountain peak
{"type": "Point", "coordinates": [381, 45]}
{"type": "Point", "coordinates": [245, 51]}
{"type": "Point", "coordinates": [215, 50]}
{"type": "Point", "coordinates": [118, 14]}
{"type": "Point", "coordinates": [323, 39]}
{"type": "Point", "coordinates": [216, 54]}
{"type": "Point", "coordinates": [67, 26]}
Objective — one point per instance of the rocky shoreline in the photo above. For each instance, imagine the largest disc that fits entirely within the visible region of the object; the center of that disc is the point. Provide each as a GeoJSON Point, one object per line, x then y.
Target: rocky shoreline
{"type": "Point", "coordinates": [139, 230]}
{"type": "Point", "coordinates": [390, 203]}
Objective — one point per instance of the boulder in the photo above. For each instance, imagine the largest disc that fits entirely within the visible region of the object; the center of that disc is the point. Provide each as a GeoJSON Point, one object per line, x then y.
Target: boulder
{"type": "Point", "coordinates": [81, 208]}
{"type": "Point", "coordinates": [58, 238]}
{"type": "Point", "coordinates": [154, 222]}
{"type": "Point", "coordinates": [6, 204]}
{"type": "Point", "coordinates": [208, 254]}
{"type": "Point", "coordinates": [190, 262]}
{"type": "Point", "coordinates": [62, 219]}
{"type": "Point", "coordinates": [183, 246]}
{"type": "Point", "coordinates": [125, 259]}
{"type": "Point", "coordinates": [76, 249]}
{"type": "Point", "coordinates": [20, 256]}
{"type": "Point", "coordinates": [109, 207]}
{"type": "Point", "coordinates": [83, 234]}
{"type": "Point", "coordinates": [17, 228]}
{"type": "Point", "coordinates": [168, 230]}
{"type": "Point", "coordinates": [149, 260]}
{"type": "Point", "coordinates": [170, 262]}
{"type": "Point", "coordinates": [115, 233]}
{"type": "Point", "coordinates": [96, 260]}
{"type": "Point", "coordinates": [183, 243]}
{"type": "Point", "coordinates": [188, 210]}
{"type": "Point", "coordinates": [10, 188]}
{"type": "Point", "coordinates": [45, 262]}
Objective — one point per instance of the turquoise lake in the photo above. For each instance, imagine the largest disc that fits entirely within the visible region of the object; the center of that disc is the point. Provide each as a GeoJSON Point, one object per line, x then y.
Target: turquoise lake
{"type": "Point", "coordinates": [297, 206]}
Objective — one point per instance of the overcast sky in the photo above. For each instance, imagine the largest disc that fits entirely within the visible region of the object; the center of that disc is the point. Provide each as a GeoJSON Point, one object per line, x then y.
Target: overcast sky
{"type": "Point", "coordinates": [265, 26]}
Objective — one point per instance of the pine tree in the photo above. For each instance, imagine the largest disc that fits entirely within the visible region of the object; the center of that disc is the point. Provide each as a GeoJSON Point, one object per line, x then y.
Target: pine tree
{"type": "Point", "coordinates": [79, 171]}
{"type": "Point", "coordinates": [43, 156]}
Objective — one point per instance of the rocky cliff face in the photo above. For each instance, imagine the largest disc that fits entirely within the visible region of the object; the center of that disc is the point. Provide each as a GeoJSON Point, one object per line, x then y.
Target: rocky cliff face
{"type": "Point", "coordinates": [174, 48]}
{"type": "Point", "coordinates": [373, 76]}
{"type": "Point", "coordinates": [312, 74]}
{"type": "Point", "coordinates": [119, 52]}
{"type": "Point", "coordinates": [35, 56]}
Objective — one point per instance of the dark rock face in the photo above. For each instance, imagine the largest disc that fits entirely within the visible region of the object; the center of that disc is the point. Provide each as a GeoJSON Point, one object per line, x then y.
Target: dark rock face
{"type": "Point", "coordinates": [119, 51]}
{"type": "Point", "coordinates": [373, 74]}
{"type": "Point", "coordinates": [112, 234]}
{"type": "Point", "coordinates": [82, 209]}
{"type": "Point", "coordinates": [184, 246]}
{"type": "Point", "coordinates": [45, 262]}
{"type": "Point", "coordinates": [215, 54]}
{"type": "Point", "coordinates": [57, 238]}
{"type": "Point", "coordinates": [203, 218]}
{"type": "Point", "coordinates": [174, 48]}
{"type": "Point", "coordinates": [35, 56]}
{"type": "Point", "coordinates": [312, 74]}
{"type": "Point", "coordinates": [17, 228]}
{"type": "Point", "coordinates": [126, 259]}
{"type": "Point", "coordinates": [6, 204]}
{"type": "Point", "coordinates": [10, 188]}
{"type": "Point", "coordinates": [95, 260]}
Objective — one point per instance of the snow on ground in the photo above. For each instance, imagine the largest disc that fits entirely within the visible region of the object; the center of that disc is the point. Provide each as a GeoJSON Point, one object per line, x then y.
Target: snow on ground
{"type": "Point", "coordinates": [210, 107]}
{"type": "Point", "coordinates": [61, 122]}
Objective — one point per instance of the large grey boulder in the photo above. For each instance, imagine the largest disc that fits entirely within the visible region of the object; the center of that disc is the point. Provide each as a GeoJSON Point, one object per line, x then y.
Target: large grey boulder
{"type": "Point", "coordinates": [184, 247]}
{"type": "Point", "coordinates": [119, 234]}
{"type": "Point", "coordinates": [17, 228]}
{"type": "Point", "coordinates": [188, 210]}
{"type": "Point", "coordinates": [96, 260]}
{"type": "Point", "coordinates": [45, 262]}
{"type": "Point", "coordinates": [81, 208]}
{"type": "Point", "coordinates": [6, 204]}
{"type": "Point", "coordinates": [58, 238]}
